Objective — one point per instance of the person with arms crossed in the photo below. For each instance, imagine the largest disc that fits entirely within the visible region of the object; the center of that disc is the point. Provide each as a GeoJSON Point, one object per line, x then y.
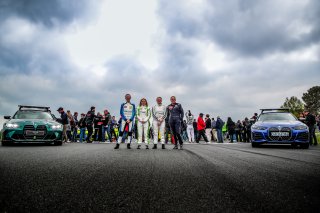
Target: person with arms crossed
{"type": "Point", "coordinates": [159, 114]}
{"type": "Point", "coordinates": [143, 116]}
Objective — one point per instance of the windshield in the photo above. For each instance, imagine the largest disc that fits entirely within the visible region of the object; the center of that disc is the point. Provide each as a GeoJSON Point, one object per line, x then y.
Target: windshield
{"type": "Point", "coordinates": [32, 115]}
{"type": "Point", "coordinates": [277, 117]}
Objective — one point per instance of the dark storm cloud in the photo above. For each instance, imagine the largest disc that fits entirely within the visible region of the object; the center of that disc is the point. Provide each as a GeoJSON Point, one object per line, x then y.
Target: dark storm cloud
{"type": "Point", "coordinates": [48, 13]}
{"type": "Point", "coordinates": [35, 66]}
{"type": "Point", "coordinates": [266, 31]}
{"type": "Point", "coordinates": [180, 62]}
{"type": "Point", "coordinates": [251, 28]}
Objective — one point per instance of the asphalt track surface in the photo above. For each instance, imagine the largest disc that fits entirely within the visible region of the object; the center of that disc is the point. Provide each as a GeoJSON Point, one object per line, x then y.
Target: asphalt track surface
{"type": "Point", "coordinates": [201, 178]}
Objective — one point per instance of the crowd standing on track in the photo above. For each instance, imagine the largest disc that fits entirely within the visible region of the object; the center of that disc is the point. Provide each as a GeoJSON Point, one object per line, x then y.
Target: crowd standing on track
{"type": "Point", "coordinates": [169, 124]}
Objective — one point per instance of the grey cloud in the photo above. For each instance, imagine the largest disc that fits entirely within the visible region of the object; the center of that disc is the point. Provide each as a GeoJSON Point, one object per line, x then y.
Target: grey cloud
{"type": "Point", "coordinates": [252, 28]}
{"type": "Point", "coordinates": [48, 13]}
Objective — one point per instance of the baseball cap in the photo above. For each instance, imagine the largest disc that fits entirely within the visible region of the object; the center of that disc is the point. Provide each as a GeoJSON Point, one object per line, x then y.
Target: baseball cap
{"type": "Point", "coordinates": [60, 108]}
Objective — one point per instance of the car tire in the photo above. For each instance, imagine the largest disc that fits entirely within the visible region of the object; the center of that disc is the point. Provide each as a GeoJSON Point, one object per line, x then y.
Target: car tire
{"type": "Point", "coordinates": [294, 145]}
{"type": "Point", "coordinates": [254, 144]}
{"type": "Point", "coordinates": [304, 145]}
{"type": "Point", "coordinates": [58, 143]}
{"type": "Point", "coordinates": [5, 143]}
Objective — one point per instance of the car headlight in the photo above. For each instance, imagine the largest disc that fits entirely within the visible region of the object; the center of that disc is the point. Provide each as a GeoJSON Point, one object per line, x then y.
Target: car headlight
{"type": "Point", "coordinates": [259, 127]}
{"type": "Point", "coordinates": [12, 125]}
{"type": "Point", "coordinates": [56, 126]}
{"type": "Point", "coordinates": [301, 127]}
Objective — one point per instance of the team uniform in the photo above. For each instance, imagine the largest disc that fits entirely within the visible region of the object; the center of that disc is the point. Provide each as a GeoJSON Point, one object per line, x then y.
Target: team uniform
{"type": "Point", "coordinates": [127, 112]}
{"type": "Point", "coordinates": [175, 119]}
{"type": "Point", "coordinates": [190, 129]}
{"type": "Point", "coordinates": [143, 124]}
{"type": "Point", "coordinates": [159, 113]}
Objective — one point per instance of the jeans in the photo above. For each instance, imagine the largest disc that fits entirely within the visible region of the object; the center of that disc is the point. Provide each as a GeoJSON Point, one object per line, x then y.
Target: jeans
{"type": "Point", "coordinates": [74, 134]}
{"type": "Point", "coordinates": [82, 134]}
{"type": "Point", "coordinates": [312, 136]}
{"type": "Point", "coordinates": [233, 137]}
{"type": "Point", "coordinates": [220, 136]}
{"type": "Point", "coordinates": [184, 135]}
{"type": "Point", "coordinates": [239, 135]}
{"type": "Point", "coordinates": [104, 130]}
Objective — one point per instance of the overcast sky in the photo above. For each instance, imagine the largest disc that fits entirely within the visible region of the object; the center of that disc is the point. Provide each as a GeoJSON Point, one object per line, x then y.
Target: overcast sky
{"type": "Point", "coordinates": [227, 58]}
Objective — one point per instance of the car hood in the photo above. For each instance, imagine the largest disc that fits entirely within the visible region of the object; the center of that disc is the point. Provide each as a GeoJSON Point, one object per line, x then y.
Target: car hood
{"type": "Point", "coordinates": [37, 122]}
{"type": "Point", "coordinates": [279, 123]}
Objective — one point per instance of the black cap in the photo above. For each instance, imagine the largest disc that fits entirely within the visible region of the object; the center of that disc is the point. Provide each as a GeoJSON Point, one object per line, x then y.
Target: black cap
{"type": "Point", "coordinates": [60, 108]}
{"type": "Point", "coordinates": [93, 107]}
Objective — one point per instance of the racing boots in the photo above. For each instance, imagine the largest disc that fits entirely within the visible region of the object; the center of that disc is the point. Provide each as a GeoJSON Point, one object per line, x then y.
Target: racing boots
{"type": "Point", "coordinates": [128, 146]}
{"type": "Point", "coordinates": [154, 146]}
{"type": "Point", "coordinates": [147, 147]}
{"type": "Point", "coordinates": [139, 146]}
{"type": "Point", "coordinates": [163, 146]}
{"type": "Point", "coordinates": [117, 146]}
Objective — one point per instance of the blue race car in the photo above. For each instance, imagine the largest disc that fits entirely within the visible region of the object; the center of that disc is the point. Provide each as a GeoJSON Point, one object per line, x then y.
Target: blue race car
{"type": "Point", "coordinates": [279, 126]}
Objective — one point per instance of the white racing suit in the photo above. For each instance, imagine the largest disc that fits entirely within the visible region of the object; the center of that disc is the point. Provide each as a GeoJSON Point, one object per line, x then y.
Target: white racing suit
{"type": "Point", "coordinates": [190, 129]}
{"type": "Point", "coordinates": [143, 115]}
{"type": "Point", "coordinates": [127, 112]}
{"type": "Point", "coordinates": [159, 113]}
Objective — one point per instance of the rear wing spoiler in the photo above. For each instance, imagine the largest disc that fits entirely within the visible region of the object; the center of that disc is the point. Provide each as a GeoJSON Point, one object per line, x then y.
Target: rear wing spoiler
{"type": "Point", "coordinates": [275, 110]}
{"type": "Point", "coordinates": [21, 107]}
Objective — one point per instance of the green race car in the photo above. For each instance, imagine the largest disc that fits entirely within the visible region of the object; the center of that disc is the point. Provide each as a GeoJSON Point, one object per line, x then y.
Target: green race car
{"type": "Point", "coordinates": [31, 124]}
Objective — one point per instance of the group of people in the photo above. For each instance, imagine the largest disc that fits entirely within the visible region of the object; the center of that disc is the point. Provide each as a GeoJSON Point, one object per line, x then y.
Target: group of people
{"type": "Point", "coordinates": [136, 122]}
{"type": "Point", "coordinates": [166, 120]}
{"type": "Point", "coordinates": [217, 130]}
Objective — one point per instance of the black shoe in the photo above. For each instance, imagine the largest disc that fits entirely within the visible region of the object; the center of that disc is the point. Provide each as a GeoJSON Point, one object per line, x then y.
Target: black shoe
{"type": "Point", "coordinates": [147, 147]}
{"type": "Point", "coordinates": [181, 147]}
{"type": "Point", "coordinates": [139, 146]}
{"type": "Point", "coordinates": [117, 146]}
{"type": "Point", "coordinates": [163, 146]}
{"type": "Point", "coordinates": [175, 147]}
{"type": "Point", "coordinates": [155, 146]}
{"type": "Point", "coordinates": [128, 146]}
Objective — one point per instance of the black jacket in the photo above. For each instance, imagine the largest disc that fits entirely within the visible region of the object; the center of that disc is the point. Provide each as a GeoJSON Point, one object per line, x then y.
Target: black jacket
{"type": "Point", "coordinates": [195, 125]}
{"type": "Point", "coordinates": [82, 123]}
{"type": "Point", "coordinates": [310, 120]}
{"type": "Point", "coordinates": [106, 119]}
{"type": "Point", "coordinates": [64, 118]}
{"type": "Point", "coordinates": [208, 123]}
{"type": "Point", "coordinates": [90, 117]}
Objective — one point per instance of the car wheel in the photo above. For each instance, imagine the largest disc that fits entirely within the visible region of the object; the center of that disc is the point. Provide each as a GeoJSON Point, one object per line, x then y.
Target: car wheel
{"type": "Point", "coordinates": [304, 145]}
{"type": "Point", "coordinates": [254, 144]}
{"type": "Point", "coordinates": [5, 143]}
{"type": "Point", "coordinates": [294, 145]}
{"type": "Point", "coordinates": [58, 143]}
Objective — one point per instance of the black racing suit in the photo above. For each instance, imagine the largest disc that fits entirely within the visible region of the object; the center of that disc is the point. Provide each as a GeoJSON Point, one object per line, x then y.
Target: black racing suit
{"type": "Point", "coordinates": [175, 118]}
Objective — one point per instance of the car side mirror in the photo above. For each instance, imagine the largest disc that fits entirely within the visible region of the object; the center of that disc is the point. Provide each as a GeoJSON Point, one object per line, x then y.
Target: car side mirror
{"type": "Point", "coordinates": [7, 117]}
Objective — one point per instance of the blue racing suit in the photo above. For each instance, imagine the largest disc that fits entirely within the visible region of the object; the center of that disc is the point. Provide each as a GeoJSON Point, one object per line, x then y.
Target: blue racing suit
{"type": "Point", "coordinates": [127, 112]}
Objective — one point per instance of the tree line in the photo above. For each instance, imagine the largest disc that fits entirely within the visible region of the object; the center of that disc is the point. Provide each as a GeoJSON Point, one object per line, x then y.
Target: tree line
{"type": "Point", "coordinates": [310, 102]}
